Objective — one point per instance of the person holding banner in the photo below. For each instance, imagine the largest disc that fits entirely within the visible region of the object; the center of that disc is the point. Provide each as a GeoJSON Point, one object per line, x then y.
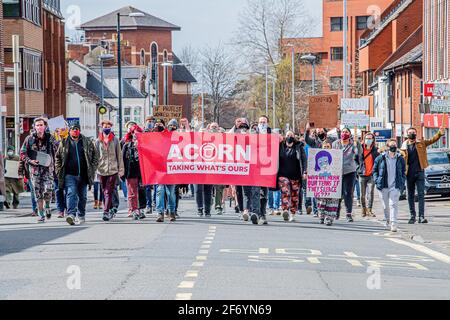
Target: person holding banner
{"type": "Point", "coordinates": [164, 191]}
{"type": "Point", "coordinates": [415, 153]}
{"type": "Point", "coordinates": [38, 153]}
{"type": "Point", "coordinates": [389, 174]}
{"type": "Point", "coordinates": [110, 166]}
{"type": "Point", "coordinates": [327, 207]}
{"type": "Point", "coordinates": [132, 172]}
{"type": "Point", "coordinates": [350, 166]}
{"type": "Point", "coordinates": [292, 169]}
{"type": "Point", "coordinates": [368, 152]}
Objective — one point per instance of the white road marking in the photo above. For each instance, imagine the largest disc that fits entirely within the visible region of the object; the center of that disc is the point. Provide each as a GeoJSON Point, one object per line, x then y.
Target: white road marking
{"type": "Point", "coordinates": [191, 274]}
{"type": "Point", "coordinates": [183, 296]}
{"type": "Point", "coordinates": [209, 238]}
{"type": "Point", "coordinates": [313, 260]}
{"type": "Point", "coordinates": [201, 258]}
{"type": "Point", "coordinates": [186, 285]}
{"type": "Point", "coordinates": [203, 251]}
{"type": "Point", "coordinates": [354, 263]}
{"type": "Point", "coordinates": [207, 242]}
{"type": "Point", "coordinates": [205, 246]}
{"type": "Point", "coordinates": [434, 254]}
{"type": "Point", "coordinates": [198, 264]}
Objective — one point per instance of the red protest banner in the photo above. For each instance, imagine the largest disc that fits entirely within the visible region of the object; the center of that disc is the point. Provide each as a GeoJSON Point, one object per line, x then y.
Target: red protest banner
{"type": "Point", "coordinates": [207, 158]}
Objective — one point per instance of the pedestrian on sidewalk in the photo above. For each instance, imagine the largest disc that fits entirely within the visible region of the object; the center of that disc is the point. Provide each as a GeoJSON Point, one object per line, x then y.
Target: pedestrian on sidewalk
{"type": "Point", "coordinates": [76, 164]}
{"type": "Point", "coordinates": [40, 145]}
{"type": "Point", "coordinates": [389, 174]}
{"type": "Point", "coordinates": [368, 152]}
{"type": "Point", "coordinates": [110, 166]}
{"type": "Point", "coordinates": [350, 166]}
{"type": "Point", "coordinates": [263, 128]}
{"type": "Point", "coordinates": [13, 186]}
{"type": "Point", "coordinates": [292, 169]}
{"type": "Point", "coordinates": [327, 207]}
{"type": "Point", "coordinates": [415, 153]}
{"type": "Point", "coordinates": [132, 172]}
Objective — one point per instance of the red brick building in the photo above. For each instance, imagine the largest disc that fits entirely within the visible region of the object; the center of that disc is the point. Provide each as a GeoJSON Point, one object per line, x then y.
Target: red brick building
{"type": "Point", "coordinates": [146, 42]}
{"type": "Point", "coordinates": [40, 27]}
{"type": "Point", "coordinates": [436, 58]}
{"type": "Point", "coordinates": [391, 66]}
{"type": "Point", "coordinates": [329, 47]}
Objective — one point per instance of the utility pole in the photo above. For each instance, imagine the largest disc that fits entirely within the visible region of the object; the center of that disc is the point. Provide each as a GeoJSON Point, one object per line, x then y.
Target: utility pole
{"type": "Point", "coordinates": [274, 102]}
{"type": "Point", "coordinates": [293, 88]}
{"type": "Point", "coordinates": [16, 62]}
{"type": "Point", "coordinates": [267, 89]}
{"type": "Point", "coordinates": [119, 68]}
{"type": "Point", "coordinates": [344, 48]}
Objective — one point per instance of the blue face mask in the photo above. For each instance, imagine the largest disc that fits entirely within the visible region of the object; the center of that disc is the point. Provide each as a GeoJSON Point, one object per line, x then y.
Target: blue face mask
{"type": "Point", "coordinates": [107, 131]}
{"type": "Point", "coordinates": [150, 125]}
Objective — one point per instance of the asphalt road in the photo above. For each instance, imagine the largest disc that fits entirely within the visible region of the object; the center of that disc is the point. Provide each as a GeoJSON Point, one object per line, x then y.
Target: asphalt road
{"type": "Point", "coordinates": [218, 258]}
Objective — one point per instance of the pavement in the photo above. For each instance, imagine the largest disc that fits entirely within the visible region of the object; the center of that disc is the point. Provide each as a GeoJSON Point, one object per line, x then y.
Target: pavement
{"type": "Point", "coordinates": [221, 258]}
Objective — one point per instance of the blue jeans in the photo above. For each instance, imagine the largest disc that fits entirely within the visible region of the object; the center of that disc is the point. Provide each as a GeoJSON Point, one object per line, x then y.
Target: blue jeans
{"type": "Point", "coordinates": [416, 181]}
{"type": "Point", "coordinates": [348, 185]}
{"type": "Point", "coordinates": [161, 193]}
{"type": "Point", "coordinates": [33, 196]}
{"type": "Point", "coordinates": [123, 186]}
{"type": "Point", "coordinates": [357, 188]}
{"type": "Point", "coordinates": [76, 191]}
{"type": "Point", "coordinates": [98, 192]}
{"type": "Point", "coordinates": [310, 202]}
{"type": "Point", "coordinates": [252, 201]}
{"type": "Point", "coordinates": [274, 199]}
{"type": "Point", "coordinates": [60, 200]}
{"type": "Point", "coordinates": [148, 196]}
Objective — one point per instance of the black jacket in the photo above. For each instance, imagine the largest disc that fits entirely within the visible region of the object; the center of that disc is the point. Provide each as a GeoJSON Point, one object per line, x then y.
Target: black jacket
{"type": "Point", "coordinates": [301, 156]}
{"type": "Point", "coordinates": [131, 161]}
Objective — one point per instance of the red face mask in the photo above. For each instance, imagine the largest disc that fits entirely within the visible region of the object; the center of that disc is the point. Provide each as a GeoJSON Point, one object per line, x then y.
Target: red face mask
{"type": "Point", "coordinates": [345, 136]}
{"type": "Point", "coordinates": [75, 133]}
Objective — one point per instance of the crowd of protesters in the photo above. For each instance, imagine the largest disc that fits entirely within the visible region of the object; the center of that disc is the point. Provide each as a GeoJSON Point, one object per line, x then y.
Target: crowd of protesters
{"type": "Point", "coordinates": [60, 167]}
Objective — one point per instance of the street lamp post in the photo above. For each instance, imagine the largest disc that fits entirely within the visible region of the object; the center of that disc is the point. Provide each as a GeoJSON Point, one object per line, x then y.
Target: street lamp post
{"type": "Point", "coordinates": [293, 85]}
{"type": "Point", "coordinates": [344, 48]}
{"type": "Point", "coordinates": [312, 59]}
{"type": "Point", "coordinates": [119, 63]}
{"type": "Point", "coordinates": [102, 58]}
{"type": "Point", "coordinates": [267, 89]}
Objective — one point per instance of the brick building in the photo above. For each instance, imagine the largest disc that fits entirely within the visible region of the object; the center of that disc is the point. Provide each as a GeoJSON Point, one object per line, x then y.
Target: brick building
{"type": "Point", "coordinates": [391, 66]}
{"type": "Point", "coordinates": [436, 58]}
{"type": "Point", "coordinates": [146, 43]}
{"type": "Point", "coordinates": [329, 47]}
{"type": "Point", "coordinates": [40, 27]}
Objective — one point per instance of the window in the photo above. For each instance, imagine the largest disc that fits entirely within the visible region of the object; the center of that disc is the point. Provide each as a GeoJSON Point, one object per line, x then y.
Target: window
{"type": "Point", "coordinates": [32, 70]}
{"type": "Point", "coordinates": [337, 23]}
{"type": "Point", "coordinates": [31, 10]}
{"type": "Point", "coordinates": [11, 8]}
{"type": "Point", "coordinates": [166, 80]}
{"type": "Point", "coordinates": [336, 83]}
{"type": "Point", "coordinates": [361, 22]}
{"type": "Point", "coordinates": [142, 57]}
{"type": "Point", "coordinates": [337, 53]}
{"type": "Point", "coordinates": [154, 57]}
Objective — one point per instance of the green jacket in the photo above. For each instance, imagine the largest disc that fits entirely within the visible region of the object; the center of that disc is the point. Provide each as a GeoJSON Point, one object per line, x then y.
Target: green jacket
{"type": "Point", "coordinates": [90, 152]}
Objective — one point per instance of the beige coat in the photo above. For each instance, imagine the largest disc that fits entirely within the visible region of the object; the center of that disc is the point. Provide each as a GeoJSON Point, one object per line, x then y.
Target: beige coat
{"type": "Point", "coordinates": [110, 158]}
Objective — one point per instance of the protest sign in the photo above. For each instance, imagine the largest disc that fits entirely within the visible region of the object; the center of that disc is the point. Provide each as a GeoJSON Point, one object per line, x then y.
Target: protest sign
{"type": "Point", "coordinates": [12, 169]}
{"type": "Point", "coordinates": [56, 123]}
{"type": "Point", "coordinates": [325, 174]}
{"type": "Point", "coordinates": [168, 113]}
{"type": "Point", "coordinates": [355, 104]}
{"type": "Point", "coordinates": [376, 124]}
{"type": "Point", "coordinates": [323, 111]}
{"type": "Point", "coordinates": [355, 120]}
{"type": "Point", "coordinates": [382, 135]}
{"type": "Point", "coordinates": [205, 158]}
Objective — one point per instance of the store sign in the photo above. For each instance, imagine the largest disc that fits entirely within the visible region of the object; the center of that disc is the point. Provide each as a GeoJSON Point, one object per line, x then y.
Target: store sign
{"type": "Point", "coordinates": [435, 120]}
{"type": "Point", "coordinates": [376, 123]}
{"type": "Point", "coordinates": [440, 106]}
{"type": "Point", "coordinates": [437, 90]}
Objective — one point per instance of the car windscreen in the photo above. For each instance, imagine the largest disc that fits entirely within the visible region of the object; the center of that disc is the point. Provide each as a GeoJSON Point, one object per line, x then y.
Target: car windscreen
{"type": "Point", "coordinates": [437, 158]}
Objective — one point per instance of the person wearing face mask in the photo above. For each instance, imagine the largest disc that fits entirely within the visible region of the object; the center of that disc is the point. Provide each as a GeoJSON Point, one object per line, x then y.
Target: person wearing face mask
{"type": "Point", "coordinates": [263, 128]}
{"type": "Point", "coordinates": [218, 189]}
{"type": "Point", "coordinates": [40, 144]}
{"type": "Point", "coordinates": [292, 169]}
{"type": "Point", "coordinates": [76, 164]}
{"type": "Point", "coordinates": [110, 166]}
{"type": "Point", "coordinates": [149, 124]}
{"type": "Point", "coordinates": [350, 166]}
{"type": "Point", "coordinates": [149, 127]}
{"type": "Point", "coordinates": [316, 141]}
{"type": "Point", "coordinates": [14, 187]}
{"type": "Point", "coordinates": [368, 152]}
{"type": "Point", "coordinates": [415, 153]}
{"type": "Point", "coordinates": [389, 173]}
{"type": "Point", "coordinates": [172, 126]}
{"type": "Point", "coordinates": [132, 172]}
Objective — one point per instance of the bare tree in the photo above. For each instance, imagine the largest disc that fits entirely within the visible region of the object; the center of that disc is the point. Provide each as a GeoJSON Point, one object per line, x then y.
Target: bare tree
{"type": "Point", "coordinates": [263, 26]}
{"type": "Point", "coordinates": [191, 58]}
{"type": "Point", "coordinates": [218, 76]}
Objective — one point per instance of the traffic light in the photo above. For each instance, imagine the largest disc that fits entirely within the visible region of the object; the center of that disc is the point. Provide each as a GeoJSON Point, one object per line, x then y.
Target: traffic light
{"type": "Point", "coordinates": [102, 110]}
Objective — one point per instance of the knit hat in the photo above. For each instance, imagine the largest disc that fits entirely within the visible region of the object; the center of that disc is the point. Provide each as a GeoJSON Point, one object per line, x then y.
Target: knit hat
{"type": "Point", "coordinates": [173, 122]}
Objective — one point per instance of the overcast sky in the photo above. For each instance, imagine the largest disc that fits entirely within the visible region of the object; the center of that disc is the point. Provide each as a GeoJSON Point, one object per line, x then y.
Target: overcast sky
{"type": "Point", "coordinates": [202, 21]}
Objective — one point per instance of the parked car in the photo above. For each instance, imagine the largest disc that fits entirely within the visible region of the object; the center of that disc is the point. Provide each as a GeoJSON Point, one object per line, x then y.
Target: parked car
{"type": "Point", "coordinates": [437, 175]}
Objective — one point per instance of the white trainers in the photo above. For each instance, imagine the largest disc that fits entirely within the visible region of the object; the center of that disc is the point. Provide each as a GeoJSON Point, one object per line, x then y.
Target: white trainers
{"type": "Point", "coordinates": [387, 224]}
{"type": "Point", "coordinates": [394, 228]}
{"type": "Point", "coordinates": [292, 218]}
